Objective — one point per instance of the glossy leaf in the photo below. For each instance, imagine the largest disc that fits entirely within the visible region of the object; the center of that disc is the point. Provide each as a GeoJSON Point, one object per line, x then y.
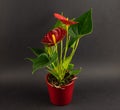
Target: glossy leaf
{"type": "Point", "coordinates": [59, 24]}
{"type": "Point", "coordinates": [75, 72]}
{"type": "Point", "coordinates": [72, 41]}
{"type": "Point", "coordinates": [70, 66]}
{"type": "Point", "coordinates": [37, 51]}
{"type": "Point", "coordinates": [41, 61]}
{"type": "Point", "coordinates": [53, 57]}
{"type": "Point", "coordinates": [53, 73]}
{"type": "Point", "coordinates": [82, 28]}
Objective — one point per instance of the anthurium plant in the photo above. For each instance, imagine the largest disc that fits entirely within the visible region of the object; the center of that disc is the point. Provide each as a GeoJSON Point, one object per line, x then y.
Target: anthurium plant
{"type": "Point", "coordinates": [60, 45]}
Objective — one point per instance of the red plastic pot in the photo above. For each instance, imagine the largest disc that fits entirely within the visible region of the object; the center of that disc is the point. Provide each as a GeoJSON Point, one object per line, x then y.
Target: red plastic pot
{"type": "Point", "coordinates": [60, 96]}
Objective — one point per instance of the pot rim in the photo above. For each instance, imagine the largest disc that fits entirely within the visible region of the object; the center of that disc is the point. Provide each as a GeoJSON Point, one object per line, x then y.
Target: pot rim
{"type": "Point", "coordinates": [59, 86]}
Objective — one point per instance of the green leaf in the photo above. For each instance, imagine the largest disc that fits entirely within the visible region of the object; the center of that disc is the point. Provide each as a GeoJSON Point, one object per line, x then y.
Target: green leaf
{"type": "Point", "coordinates": [37, 51]}
{"type": "Point", "coordinates": [53, 73]}
{"type": "Point", "coordinates": [84, 25]}
{"type": "Point", "coordinates": [82, 28]}
{"type": "Point", "coordinates": [70, 66]}
{"type": "Point", "coordinates": [53, 57]}
{"type": "Point", "coordinates": [72, 41]}
{"type": "Point", "coordinates": [39, 62]}
{"type": "Point", "coordinates": [75, 72]}
{"type": "Point", "coordinates": [59, 24]}
{"type": "Point", "coordinates": [42, 60]}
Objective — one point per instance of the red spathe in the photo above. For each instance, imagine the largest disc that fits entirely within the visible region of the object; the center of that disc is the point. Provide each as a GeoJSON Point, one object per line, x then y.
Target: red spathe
{"type": "Point", "coordinates": [59, 34]}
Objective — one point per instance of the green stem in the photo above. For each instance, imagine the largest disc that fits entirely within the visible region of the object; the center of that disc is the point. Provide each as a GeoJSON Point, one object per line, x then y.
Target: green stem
{"type": "Point", "coordinates": [75, 47]}
{"type": "Point", "coordinates": [74, 50]}
{"type": "Point", "coordinates": [56, 48]}
{"type": "Point", "coordinates": [67, 41]}
{"type": "Point", "coordinates": [61, 51]}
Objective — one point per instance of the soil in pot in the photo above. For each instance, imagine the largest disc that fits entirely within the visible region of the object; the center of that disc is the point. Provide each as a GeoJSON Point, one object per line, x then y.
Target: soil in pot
{"type": "Point", "coordinates": [67, 79]}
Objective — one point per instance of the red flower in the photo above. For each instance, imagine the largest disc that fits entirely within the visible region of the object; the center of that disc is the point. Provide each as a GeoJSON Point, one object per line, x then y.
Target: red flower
{"type": "Point", "coordinates": [64, 19]}
{"type": "Point", "coordinates": [54, 36]}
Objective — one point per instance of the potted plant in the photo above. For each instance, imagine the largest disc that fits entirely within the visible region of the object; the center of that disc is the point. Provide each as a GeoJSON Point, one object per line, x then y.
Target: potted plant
{"type": "Point", "coordinates": [60, 45]}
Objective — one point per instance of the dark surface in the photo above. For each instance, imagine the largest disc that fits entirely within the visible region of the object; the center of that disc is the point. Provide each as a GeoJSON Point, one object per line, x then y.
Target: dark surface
{"type": "Point", "coordinates": [96, 88]}
{"type": "Point", "coordinates": [24, 22]}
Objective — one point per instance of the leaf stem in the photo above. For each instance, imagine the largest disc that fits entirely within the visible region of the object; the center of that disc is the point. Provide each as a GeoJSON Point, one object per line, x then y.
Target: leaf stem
{"type": "Point", "coordinates": [75, 47]}
{"type": "Point", "coordinates": [67, 41]}
{"type": "Point", "coordinates": [61, 51]}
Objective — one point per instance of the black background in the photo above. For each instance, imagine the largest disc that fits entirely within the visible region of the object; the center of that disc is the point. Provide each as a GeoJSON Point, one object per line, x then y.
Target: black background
{"type": "Point", "coordinates": [24, 22]}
